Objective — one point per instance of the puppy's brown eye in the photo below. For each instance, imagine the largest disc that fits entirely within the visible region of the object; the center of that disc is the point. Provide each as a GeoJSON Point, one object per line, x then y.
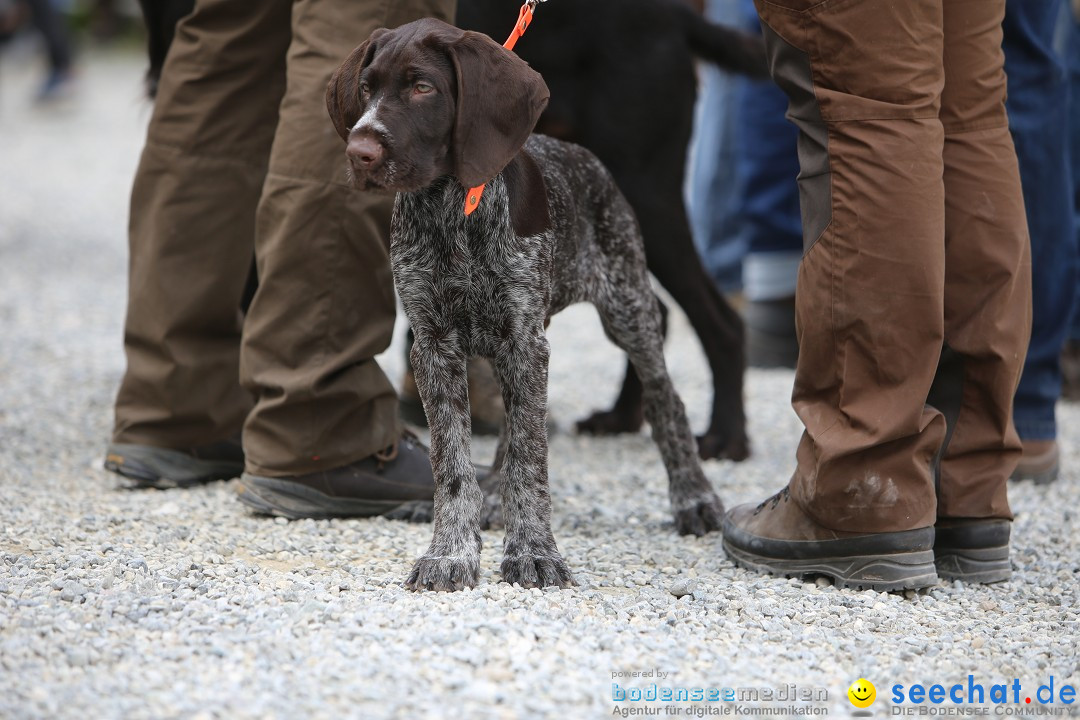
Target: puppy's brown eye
{"type": "Point", "coordinates": [365, 90]}
{"type": "Point", "coordinates": [422, 88]}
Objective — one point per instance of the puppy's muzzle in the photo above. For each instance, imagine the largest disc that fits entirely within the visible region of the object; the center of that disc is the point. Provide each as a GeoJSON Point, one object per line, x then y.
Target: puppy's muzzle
{"type": "Point", "coordinates": [365, 152]}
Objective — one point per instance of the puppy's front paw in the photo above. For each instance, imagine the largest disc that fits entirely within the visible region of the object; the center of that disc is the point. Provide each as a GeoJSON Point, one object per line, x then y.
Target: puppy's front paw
{"type": "Point", "coordinates": [697, 517]}
{"type": "Point", "coordinates": [531, 571]}
{"type": "Point", "coordinates": [443, 573]}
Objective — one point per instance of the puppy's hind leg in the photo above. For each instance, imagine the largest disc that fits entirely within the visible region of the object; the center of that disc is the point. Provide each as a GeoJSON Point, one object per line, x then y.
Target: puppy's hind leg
{"type": "Point", "coordinates": [452, 561]}
{"type": "Point", "coordinates": [631, 318]}
{"type": "Point", "coordinates": [530, 556]}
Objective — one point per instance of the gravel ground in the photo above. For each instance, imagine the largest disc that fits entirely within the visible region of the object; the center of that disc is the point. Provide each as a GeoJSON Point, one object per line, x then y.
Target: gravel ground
{"type": "Point", "coordinates": [119, 604]}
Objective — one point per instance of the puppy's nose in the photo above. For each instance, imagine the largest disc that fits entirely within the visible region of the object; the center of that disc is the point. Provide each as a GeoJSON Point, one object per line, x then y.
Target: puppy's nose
{"type": "Point", "coordinates": [365, 151]}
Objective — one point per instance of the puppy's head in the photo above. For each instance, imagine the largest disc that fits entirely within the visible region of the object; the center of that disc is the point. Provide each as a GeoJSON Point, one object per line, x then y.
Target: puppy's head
{"type": "Point", "coordinates": [426, 100]}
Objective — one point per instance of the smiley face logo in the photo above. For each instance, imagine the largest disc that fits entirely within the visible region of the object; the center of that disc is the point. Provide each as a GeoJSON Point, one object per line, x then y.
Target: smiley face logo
{"type": "Point", "coordinates": [862, 693]}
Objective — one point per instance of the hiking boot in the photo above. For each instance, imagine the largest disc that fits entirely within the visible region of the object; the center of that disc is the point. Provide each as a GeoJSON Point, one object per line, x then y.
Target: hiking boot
{"type": "Point", "coordinates": [485, 397]}
{"type": "Point", "coordinates": [1040, 462]}
{"type": "Point", "coordinates": [1070, 371]}
{"type": "Point", "coordinates": [146, 466]}
{"type": "Point", "coordinates": [974, 550]}
{"type": "Point", "coordinates": [396, 482]}
{"type": "Point", "coordinates": [410, 407]}
{"type": "Point", "coordinates": [770, 333]}
{"type": "Point", "coordinates": [778, 538]}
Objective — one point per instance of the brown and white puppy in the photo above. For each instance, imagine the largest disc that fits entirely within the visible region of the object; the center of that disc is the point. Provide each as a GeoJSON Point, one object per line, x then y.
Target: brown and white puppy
{"type": "Point", "coordinates": [427, 111]}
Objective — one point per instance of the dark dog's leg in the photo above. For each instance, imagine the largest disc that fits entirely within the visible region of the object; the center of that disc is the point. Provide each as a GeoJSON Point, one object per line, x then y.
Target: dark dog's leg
{"type": "Point", "coordinates": [627, 415]}
{"type": "Point", "coordinates": [631, 318]}
{"type": "Point", "coordinates": [675, 263]}
{"type": "Point", "coordinates": [530, 556]}
{"type": "Point", "coordinates": [452, 561]}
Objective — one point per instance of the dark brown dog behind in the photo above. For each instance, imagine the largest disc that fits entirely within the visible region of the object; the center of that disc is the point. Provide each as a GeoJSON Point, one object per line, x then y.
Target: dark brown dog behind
{"type": "Point", "coordinates": [623, 85]}
{"type": "Point", "coordinates": [427, 111]}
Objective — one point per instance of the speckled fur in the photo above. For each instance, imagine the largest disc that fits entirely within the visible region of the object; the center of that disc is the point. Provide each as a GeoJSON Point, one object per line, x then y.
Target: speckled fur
{"type": "Point", "coordinates": [427, 109]}
{"type": "Point", "coordinates": [471, 286]}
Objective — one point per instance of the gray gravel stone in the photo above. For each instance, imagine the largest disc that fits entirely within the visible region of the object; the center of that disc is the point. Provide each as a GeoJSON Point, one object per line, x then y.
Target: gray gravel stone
{"type": "Point", "coordinates": [682, 587]}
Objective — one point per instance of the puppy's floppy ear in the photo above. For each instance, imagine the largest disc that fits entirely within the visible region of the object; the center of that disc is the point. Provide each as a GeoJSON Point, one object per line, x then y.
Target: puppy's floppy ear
{"type": "Point", "coordinates": [343, 91]}
{"type": "Point", "coordinates": [500, 98]}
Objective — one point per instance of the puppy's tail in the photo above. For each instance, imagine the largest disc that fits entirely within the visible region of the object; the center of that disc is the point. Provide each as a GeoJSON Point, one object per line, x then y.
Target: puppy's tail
{"type": "Point", "coordinates": [729, 49]}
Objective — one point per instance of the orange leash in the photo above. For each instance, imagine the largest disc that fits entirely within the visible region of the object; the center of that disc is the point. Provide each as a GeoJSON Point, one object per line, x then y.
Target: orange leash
{"type": "Point", "coordinates": [525, 16]}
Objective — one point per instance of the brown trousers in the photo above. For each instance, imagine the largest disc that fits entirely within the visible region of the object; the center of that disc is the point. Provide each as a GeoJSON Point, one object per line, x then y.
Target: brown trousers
{"type": "Point", "coordinates": [916, 243]}
{"type": "Point", "coordinates": [240, 156]}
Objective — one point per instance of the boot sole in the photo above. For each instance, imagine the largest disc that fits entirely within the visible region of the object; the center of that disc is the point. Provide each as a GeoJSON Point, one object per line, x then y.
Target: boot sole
{"type": "Point", "coordinates": [163, 469]}
{"type": "Point", "coordinates": [282, 498]}
{"type": "Point", "coordinates": [884, 573]}
{"type": "Point", "coordinates": [981, 565]}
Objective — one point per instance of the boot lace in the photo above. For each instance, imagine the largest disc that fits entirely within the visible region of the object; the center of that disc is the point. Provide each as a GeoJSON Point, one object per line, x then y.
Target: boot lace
{"type": "Point", "coordinates": [775, 500]}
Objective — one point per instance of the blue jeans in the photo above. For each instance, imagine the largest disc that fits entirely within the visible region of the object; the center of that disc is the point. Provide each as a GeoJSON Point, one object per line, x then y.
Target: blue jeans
{"type": "Point", "coordinates": [710, 195]}
{"type": "Point", "coordinates": [1038, 106]}
{"type": "Point", "coordinates": [742, 195]}
{"type": "Point", "coordinates": [1072, 55]}
{"type": "Point", "coordinates": [768, 220]}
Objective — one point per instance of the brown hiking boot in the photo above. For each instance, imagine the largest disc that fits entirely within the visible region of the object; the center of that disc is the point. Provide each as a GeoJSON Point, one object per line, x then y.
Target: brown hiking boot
{"type": "Point", "coordinates": [1040, 462]}
{"type": "Point", "coordinates": [778, 538]}
{"type": "Point", "coordinates": [485, 399]}
{"type": "Point", "coordinates": [974, 550]}
{"type": "Point", "coordinates": [396, 482]}
{"type": "Point", "coordinates": [771, 341]}
{"type": "Point", "coordinates": [146, 466]}
{"type": "Point", "coordinates": [1070, 371]}
{"type": "Point", "coordinates": [410, 407]}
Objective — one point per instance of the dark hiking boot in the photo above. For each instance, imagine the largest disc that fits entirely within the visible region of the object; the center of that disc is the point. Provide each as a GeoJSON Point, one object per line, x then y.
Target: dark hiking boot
{"type": "Point", "coordinates": [145, 466]}
{"type": "Point", "coordinates": [1040, 462]}
{"type": "Point", "coordinates": [396, 482]}
{"type": "Point", "coordinates": [1070, 371]}
{"type": "Point", "coordinates": [974, 550]}
{"type": "Point", "coordinates": [778, 538]}
{"type": "Point", "coordinates": [770, 333]}
{"type": "Point", "coordinates": [410, 407]}
{"type": "Point", "coordinates": [485, 399]}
